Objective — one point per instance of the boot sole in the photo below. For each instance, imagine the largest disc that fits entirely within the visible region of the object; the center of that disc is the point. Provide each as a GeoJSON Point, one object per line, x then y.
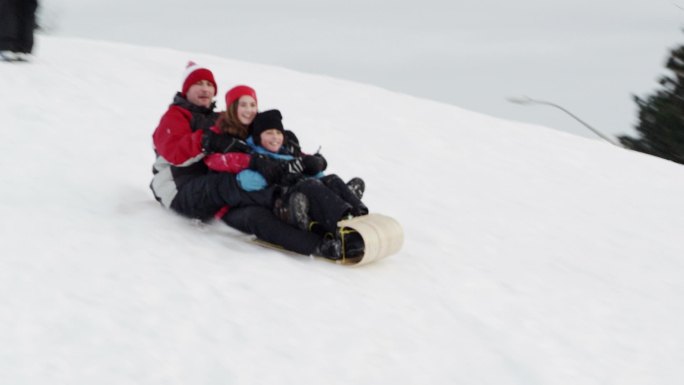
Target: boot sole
{"type": "Point", "coordinates": [299, 210]}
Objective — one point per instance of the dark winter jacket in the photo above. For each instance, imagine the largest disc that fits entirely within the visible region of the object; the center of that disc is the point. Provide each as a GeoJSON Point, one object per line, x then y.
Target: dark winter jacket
{"type": "Point", "coordinates": [178, 147]}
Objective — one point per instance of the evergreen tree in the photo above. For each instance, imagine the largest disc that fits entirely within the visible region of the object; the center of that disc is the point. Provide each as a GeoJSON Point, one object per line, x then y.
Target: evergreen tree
{"type": "Point", "coordinates": [661, 116]}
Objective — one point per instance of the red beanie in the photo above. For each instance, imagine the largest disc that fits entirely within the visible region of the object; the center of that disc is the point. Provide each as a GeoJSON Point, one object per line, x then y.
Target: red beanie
{"type": "Point", "coordinates": [237, 92]}
{"type": "Point", "coordinates": [193, 74]}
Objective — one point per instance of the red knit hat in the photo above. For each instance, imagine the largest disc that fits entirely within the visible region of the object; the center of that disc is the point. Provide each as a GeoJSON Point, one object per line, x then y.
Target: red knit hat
{"type": "Point", "coordinates": [237, 92]}
{"type": "Point", "coordinates": [193, 74]}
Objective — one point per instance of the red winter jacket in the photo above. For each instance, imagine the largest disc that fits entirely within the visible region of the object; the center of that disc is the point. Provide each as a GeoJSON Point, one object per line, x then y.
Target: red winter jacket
{"type": "Point", "coordinates": [232, 162]}
{"type": "Point", "coordinates": [178, 146]}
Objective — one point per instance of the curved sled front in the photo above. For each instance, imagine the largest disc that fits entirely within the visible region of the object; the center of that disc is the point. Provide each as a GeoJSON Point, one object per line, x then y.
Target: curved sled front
{"type": "Point", "coordinates": [382, 236]}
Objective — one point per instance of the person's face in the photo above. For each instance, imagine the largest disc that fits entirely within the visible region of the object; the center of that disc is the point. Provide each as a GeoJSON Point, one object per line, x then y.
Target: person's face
{"type": "Point", "coordinates": [246, 109]}
{"type": "Point", "coordinates": [201, 93]}
{"type": "Point", "coordinates": [271, 139]}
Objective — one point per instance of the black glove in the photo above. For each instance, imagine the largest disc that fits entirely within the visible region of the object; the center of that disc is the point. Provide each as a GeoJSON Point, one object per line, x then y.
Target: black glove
{"type": "Point", "coordinates": [293, 166]}
{"type": "Point", "coordinates": [291, 179]}
{"type": "Point", "coordinates": [313, 164]}
{"type": "Point", "coordinates": [270, 169]}
{"type": "Point", "coordinates": [222, 143]}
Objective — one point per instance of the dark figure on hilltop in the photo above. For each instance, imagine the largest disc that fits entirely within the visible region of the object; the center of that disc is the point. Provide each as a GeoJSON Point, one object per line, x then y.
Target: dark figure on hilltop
{"type": "Point", "coordinates": [17, 22]}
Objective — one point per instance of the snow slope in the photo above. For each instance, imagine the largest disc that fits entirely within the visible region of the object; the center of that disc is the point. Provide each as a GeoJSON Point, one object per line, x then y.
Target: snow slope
{"type": "Point", "coordinates": [588, 56]}
{"type": "Point", "coordinates": [531, 256]}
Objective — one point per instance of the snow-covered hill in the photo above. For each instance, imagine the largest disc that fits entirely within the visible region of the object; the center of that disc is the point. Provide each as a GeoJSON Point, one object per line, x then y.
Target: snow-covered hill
{"type": "Point", "coordinates": [469, 53]}
{"type": "Point", "coordinates": [531, 256]}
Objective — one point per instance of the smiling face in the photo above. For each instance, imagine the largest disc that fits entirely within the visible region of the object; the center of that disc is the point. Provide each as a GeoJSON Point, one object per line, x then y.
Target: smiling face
{"type": "Point", "coordinates": [201, 93]}
{"type": "Point", "coordinates": [246, 109]}
{"type": "Point", "coordinates": [271, 139]}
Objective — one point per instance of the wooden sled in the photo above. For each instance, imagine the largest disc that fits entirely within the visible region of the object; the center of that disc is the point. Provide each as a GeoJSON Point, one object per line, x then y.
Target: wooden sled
{"type": "Point", "coordinates": [382, 236]}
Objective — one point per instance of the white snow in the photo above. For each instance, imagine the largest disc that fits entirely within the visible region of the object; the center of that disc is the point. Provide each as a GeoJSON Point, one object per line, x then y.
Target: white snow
{"type": "Point", "coordinates": [531, 256]}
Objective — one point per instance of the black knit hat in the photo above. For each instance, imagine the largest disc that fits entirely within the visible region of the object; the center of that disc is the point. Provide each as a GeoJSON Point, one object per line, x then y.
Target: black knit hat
{"type": "Point", "coordinates": [265, 121]}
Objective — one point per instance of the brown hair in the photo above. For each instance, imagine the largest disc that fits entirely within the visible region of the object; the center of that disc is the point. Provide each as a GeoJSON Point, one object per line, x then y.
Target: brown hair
{"type": "Point", "coordinates": [228, 122]}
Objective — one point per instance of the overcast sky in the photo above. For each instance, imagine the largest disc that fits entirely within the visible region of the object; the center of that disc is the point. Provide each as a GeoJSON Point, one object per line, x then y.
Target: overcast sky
{"type": "Point", "coordinates": [589, 56]}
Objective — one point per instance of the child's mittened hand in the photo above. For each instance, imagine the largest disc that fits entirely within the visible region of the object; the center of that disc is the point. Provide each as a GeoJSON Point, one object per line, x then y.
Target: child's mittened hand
{"type": "Point", "coordinates": [250, 180]}
{"type": "Point", "coordinates": [270, 169]}
{"type": "Point", "coordinates": [313, 164]}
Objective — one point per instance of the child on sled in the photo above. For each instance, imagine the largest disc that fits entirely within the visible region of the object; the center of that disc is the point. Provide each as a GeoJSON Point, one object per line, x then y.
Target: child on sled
{"type": "Point", "coordinates": [328, 199]}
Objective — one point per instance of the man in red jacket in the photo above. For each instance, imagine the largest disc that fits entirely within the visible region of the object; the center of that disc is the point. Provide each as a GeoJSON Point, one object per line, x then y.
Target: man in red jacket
{"type": "Point", "coordinates": [181, 180]}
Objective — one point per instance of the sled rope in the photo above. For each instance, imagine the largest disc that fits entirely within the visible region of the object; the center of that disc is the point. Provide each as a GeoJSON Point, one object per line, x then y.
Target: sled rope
{"type": "Point", "coordinates": [311, 225]}
{"type": "Point", "coordinates": [344, 231]}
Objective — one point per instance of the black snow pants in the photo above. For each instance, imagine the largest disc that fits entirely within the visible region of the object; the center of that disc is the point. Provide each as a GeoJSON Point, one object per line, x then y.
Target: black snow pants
{"type": "Point", "coordinates": [17, 21]}
{"type": "Point", "coordinates": [337, 185]}
{"type": "Point", "coordinates": [261, 222]}
{"type": "Point", "coordinates": [204, 196]}
{"type": "Point", "coordinates": [325, 206]}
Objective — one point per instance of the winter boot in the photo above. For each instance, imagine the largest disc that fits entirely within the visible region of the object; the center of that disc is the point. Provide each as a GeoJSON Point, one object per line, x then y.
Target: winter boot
{"type": "Point", "coordinates": [357, 187]}
{"type": "Point", "coordinates": [352, 242]}
{"type": "Point", "coordinates": [8, 56]}
{"type": "Point", "coordinates": [359, 209]}
{"type": "Point", "coordinates": [318, 228]}
{"type": "Point", "coordinates": [293, 209]}
{"type": "Point", "coordinates": [347, 244]}
{"type": "Point", "coordinates": [330, 249]}
{"type": "Point", "coordinates": [348, 192]}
